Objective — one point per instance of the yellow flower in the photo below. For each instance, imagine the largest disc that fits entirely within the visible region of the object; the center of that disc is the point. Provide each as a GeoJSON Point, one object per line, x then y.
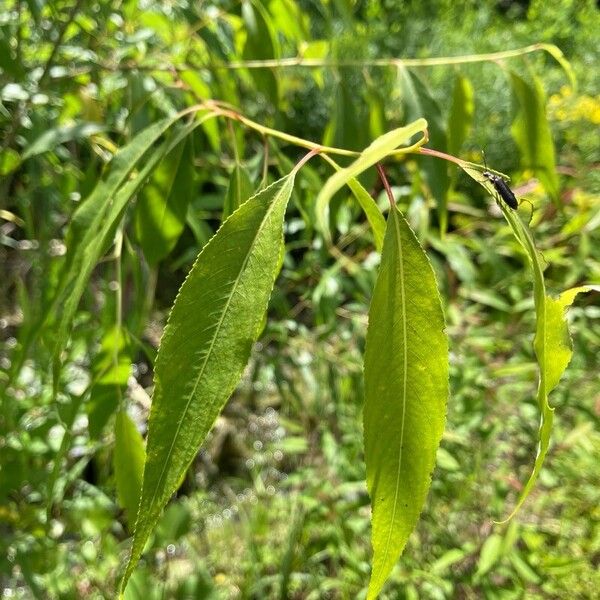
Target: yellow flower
{"type": "Point", "coordinates": [566, 90]}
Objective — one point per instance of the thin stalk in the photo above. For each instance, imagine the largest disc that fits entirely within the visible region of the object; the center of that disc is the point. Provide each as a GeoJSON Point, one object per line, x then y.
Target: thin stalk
{"type": "Point", "coordinates": [292, 139]}
{"type": "Point", "coordinates": [300, 61]}
{"type": "Point", "coordinates": [386, 185]}
{"type": "Point", "coordinates": [224, 110]}
{"type": "Point", "coordinates": [314, 63]}
{"type": "Point", "coordinates": [306, 158]}
{"type": "Point", "coordinates": [438, 154]}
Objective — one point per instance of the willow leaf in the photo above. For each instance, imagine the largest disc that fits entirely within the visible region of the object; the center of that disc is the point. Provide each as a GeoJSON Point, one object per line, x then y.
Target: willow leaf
{"type": "Point", "coordinates": [206, 344]}
{"type": "Point", "coordinates": [418, 101]}
{"type": "Point", "coordinates": [119, 169]}
{"type": "Point", "coordinates": [552, 343]}
{"type": "Point", "coordinates": [94, 225]}
{"type": "Point", "coordinates": [367, 203]}
{"type": "Point", "coordinates": [462, 110]}
{"type": "Point", "coordinates": [559, 57]}
{"type": "Point", "coordinates": [406, 389]}
{"type": "Point", "coordinates": [475, 171]}
{"type": "Point", "coordinates": [86, 234]}
{"type": "Point", "coordinates": [262, 44]}
{"type": "Point", "coordinates": [346, 127]}
{"type": "Point", "coordinates": [380, 148]}
{"type": "Point", "coordinates": [532, 133]}
{"type": "Point", "coordinates": [371, 210]}
{"type": "Point", "coordinates": [85, 254]}
{"type": "Point", "coordinates": [553, 350]}
{"type": "Point", "coordinates": [161, 207]}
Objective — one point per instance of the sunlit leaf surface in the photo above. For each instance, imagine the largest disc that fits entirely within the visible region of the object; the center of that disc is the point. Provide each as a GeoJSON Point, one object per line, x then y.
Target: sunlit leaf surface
{"type": "Point", "coordinates": [406, 388]}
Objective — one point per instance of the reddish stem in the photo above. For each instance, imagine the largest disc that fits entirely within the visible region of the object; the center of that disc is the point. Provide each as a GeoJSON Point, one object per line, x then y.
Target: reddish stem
{"type": "Point", "coordinates": [386, 185]}
{"type": "Point", "coordinates": [438, 154]}
{"type": "Point", "coordinates": [306, 158]}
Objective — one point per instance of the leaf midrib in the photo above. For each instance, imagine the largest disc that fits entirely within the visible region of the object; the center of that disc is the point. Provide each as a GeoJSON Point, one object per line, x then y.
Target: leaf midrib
{"type": "Point", "coordinates": [404, 379]}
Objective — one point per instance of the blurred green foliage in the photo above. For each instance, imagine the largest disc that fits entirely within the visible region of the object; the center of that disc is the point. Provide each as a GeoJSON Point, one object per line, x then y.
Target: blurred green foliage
{"type": "Point", "coordinates": [275, 505]}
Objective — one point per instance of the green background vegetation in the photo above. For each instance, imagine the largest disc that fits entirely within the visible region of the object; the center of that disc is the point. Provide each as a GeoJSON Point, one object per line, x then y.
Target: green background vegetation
{"type": "Point", "coordinates": [275, 505]}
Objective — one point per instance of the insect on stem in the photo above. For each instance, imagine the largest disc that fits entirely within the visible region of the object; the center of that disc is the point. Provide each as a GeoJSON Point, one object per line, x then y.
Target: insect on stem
{"type": "Point", "coordinates": [501, 187]}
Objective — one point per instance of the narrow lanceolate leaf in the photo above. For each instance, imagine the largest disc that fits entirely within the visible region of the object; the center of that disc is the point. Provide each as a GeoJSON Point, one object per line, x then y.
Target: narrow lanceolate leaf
{"type": "Point", "coordinates": [239, 190]}
{"type": "Point", "coordinates": [346, 128]}
{"type": "Point", "coordinates": [531, 132]}
{"type": "Point", "coordinates": [552, 343]}
{"type": "Point", "coordinates": [461, 114]}
{"type": "Point", "coordinates": [476, 172]}
{"type": "Point", "coordinates": [84, 234]}
{"type": "Point", "coordinates": [162, 205]}
{"type": "Point", "coordinates": [378, 150]}
{"type": "Point", "coordinates": [206, 344]}
{"type": "Point", "coordinates": [261, 43]}
{"type": "Point", "coordinates": [371, 210]}
{"type": "Point", "coordinates": [128, 462]}
{"type": "Point", "coordinates": [418, 101]}
{"type": "Point", "coordinates": [367, 203]}
{"type": "Point", "coordinates": [559, 57]}
{"type": "Point", "coordinates": [118, 171]}
{"type": "Point", "coordinates": [92, 230]}
{"type": "Point", "coordinates": [553, 350]}
{"type": "Point", "coordinates": [406, 389]}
